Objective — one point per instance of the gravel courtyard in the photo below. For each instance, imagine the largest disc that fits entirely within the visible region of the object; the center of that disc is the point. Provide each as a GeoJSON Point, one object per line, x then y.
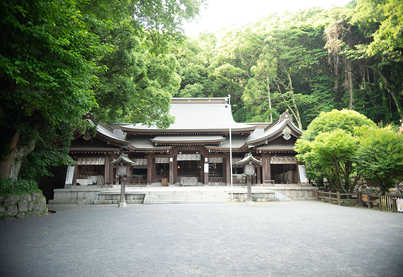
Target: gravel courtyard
{"type": "Point", "coordinates": [301, 238]}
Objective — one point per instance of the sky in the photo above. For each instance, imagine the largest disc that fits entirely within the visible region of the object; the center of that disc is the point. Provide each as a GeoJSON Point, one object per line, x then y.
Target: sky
{"type": "Point", "coordinates": [221, 13]}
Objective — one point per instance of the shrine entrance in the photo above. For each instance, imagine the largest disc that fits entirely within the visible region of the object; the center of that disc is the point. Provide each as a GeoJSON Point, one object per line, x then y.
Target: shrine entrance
{"type": "Point", "coordinates": [284, 169]}
{"type": "Point", "coordinates": [189, 165]}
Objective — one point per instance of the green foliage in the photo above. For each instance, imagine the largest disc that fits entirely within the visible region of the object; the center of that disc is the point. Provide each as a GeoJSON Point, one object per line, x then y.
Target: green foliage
{"type": "Point", "coordinates": [329, 145]}
{"type": "Point", "coordinates": [331, 152]}
{"type": "Point", "coordinates": [380, 156]}
{"type": "Point", "coordinates": [7, 187]}
{"type": "Point", "coordinates": [388, 18]}
{"type": "Point", "coordinates": [62, 59]}
{"type": "Point", "coordinates": [308, 62]}
{"type": "Point", "coordinates": [326, 122]}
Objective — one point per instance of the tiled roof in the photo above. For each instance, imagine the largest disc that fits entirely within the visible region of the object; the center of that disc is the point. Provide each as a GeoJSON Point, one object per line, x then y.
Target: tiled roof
{"type": "Point", "coordinates": [197, 115]}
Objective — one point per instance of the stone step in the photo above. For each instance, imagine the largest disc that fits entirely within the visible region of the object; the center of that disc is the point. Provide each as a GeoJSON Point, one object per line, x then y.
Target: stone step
{"type": "Point", "coordinates": [187, 192]}
{"type": "Point", "coordinates": [184, 202]}
{"type": "Point", "coordinates": [185, 197]}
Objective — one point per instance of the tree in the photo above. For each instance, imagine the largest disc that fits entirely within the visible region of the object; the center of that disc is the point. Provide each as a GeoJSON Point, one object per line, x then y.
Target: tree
{"type": "Point", "coordinates": [385, 16]}
{"type": "Point", "coordinates": [257, 95]}
{"type": "Point", "coordinates": [379, 157]}
{"type": "Point", "coordinates": [51, 57]}
{"type": "Point", "coordinates": [328, 147]}
{"type": "Point", "coordinates": [327, 122]}
{"type": "Point", "coordinates": [334, 152]}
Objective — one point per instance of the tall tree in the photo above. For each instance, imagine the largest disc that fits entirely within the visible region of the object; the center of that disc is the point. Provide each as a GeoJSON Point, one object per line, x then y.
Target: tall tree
{"type": "Point", "coordinates": [50, 60]}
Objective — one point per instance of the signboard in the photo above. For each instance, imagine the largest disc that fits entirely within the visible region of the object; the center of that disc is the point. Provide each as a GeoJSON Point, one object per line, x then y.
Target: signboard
{"type": "Point", "coordinates": [91, 161]}
{"type": "Point", "coordinates": [161, 160]}
{"type": "Point", "coordinates": [216, 160]}
{"type": "Point", "coordinates": [140, 161]}
{"type": "Point", "coordinates": [283, 160]}
{"type": "Point", "coordinates": [302, 173]}
{"type": "Point", "coordinates": [188, 157]}
{"type": "Point", "coordinates": [69, 175]}
{"type": "Point", "coordinates": [400, 205]}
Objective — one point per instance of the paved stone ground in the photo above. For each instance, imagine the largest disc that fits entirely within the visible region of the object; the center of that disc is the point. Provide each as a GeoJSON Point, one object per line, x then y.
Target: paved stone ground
{"type": "Point", "coordinates": [302, 238]}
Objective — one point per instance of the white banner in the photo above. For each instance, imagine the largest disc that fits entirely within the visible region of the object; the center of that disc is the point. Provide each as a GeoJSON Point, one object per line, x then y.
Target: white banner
{"type": "Point", "coordinates": [69, 175]}
{"type": "Point", "coordinates": [400, 205]}
{"type": "Point", "coordinates": [302, 174]}
{"type": "Point", "coordinates": [205, 168]}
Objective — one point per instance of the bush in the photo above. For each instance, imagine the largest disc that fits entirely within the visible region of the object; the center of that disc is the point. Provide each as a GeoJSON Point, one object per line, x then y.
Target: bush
{"type": "Point", "coordinates": [8, 186]}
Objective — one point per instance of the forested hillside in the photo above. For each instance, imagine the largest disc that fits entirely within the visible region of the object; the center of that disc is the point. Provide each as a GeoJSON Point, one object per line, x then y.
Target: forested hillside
{"type": "Point", "coordinates": [124, 61]}
{"type": "Point", "coordinates": [309, 61]}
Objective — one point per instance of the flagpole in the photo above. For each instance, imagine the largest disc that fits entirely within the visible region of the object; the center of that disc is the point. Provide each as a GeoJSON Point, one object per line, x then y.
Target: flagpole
{"type": "Point", "coordinates": [230, 142]}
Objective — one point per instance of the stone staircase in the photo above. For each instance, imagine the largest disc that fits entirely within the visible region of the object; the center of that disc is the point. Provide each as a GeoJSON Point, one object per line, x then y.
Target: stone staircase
{"type": "Point", "coordinates": [185, 197]}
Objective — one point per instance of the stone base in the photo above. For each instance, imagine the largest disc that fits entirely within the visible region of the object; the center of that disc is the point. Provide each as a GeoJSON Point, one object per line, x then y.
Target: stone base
{"type": "Point", "coordinates": [250, 203]}
{"type": "Point", "coordinates": [122, 205]}
{"type": "Point", "coordinates": [22, 206]}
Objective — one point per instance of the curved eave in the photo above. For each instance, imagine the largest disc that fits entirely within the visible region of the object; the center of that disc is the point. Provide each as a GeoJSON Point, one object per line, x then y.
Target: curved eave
{"type": "Point", "coordinates": [246, 160]}
{"type": "Point", "coordinates": [115, 141]}
{"type": "Point", "coordinates": [153, 148]}
{"type": "Point", "coordinates": [276, 132]}
{"type": "Point", "coordinates": [187, 131]}
{"type": "Point", "coordinates": [275, 148]}
{"type": "Point", "coordinates": [223, 149]}
{"type": "Point", "coordinates": [124, 160]}
{"type": "Point", "coordinates": [181, 140]}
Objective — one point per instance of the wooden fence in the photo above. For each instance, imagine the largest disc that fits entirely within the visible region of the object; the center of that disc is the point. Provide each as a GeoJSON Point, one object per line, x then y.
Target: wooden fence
{"type": "Point", "coordinates": [386, 203]}
{"type": "Point", "coordinates": [336, 196]}
{"type": "Point", "coordinates": [389, 203]}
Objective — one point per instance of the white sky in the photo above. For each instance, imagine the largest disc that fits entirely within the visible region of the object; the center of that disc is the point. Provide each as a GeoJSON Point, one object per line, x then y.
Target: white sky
{"type": "Point", "coordinates": [221, 13]}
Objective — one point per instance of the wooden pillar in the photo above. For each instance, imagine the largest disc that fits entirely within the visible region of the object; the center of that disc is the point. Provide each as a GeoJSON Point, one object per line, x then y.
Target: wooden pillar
{"type": "Point", "coordinates": [110, 180]}
{"type": "Point", "coordinates": [75, 174]}
{"type": "Point", "coordinates": [258, 177]}
{"type": "Point", "coordinates": [171, 168]}
{"type": "Point", "coordinates": [107, 165]}
{"type": "Point", "coordinates": [149, 169]}
{"type": "Point", "coordinates": [266, 170]}
{"type": "Point", "coordinates": [228, 170]}
{"type": "Point", "coordinates": [175, 178]}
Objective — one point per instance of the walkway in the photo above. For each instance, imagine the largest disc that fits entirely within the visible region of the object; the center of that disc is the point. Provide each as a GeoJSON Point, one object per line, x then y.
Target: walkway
{"type": "Point", "coordinates": [302, 238]}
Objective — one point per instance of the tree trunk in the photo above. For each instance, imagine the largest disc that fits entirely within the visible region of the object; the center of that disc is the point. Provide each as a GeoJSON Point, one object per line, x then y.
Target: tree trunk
{"type": "Point", "coordinates": [350, 84]}
{"type": "Point", "coordinates": [339, 174]}
{"type": "Point", "coordinates": [389, 89]}
{"type": "Point", "coordinates": [6, 165]}
{"type": "Point", "coordinates": [10, 167]}
{"type": "Point", "coordinates": [268, 93]}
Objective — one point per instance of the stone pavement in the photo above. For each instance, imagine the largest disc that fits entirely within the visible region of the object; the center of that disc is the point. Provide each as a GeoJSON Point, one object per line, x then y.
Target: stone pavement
{"type": "Point", "coordinates": [303, 238]}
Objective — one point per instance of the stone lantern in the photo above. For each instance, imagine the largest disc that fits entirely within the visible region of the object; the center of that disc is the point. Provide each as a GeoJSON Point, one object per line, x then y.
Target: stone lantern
{"type": "Point", "coordinates": [249, 163]}
{"type": "Point", "coordinates": [122, 162]}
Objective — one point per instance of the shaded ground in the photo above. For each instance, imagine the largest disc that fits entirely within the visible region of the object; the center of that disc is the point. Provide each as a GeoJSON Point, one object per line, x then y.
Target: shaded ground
{"type": "Point", "coordinates": [304, 238]}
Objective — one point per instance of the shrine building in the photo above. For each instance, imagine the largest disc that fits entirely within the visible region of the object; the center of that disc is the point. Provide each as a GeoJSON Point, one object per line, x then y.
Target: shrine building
{"type": "Point", "coordinates": [195, 147]}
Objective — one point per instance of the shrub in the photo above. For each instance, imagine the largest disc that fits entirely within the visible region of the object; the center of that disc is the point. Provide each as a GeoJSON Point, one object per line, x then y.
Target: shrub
{"type": "Point", "coordinates": [7, 187]}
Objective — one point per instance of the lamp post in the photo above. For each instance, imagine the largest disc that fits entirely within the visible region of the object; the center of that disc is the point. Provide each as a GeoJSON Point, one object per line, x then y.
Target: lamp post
{"type": "Point", "coordinates": [230, 143]}
{"type": "Point", "coordinates": [126, 163]}
{"type": "Point", "coordinates": [122, 203]}
{"type": "Point", "coordinates": [249, 172]}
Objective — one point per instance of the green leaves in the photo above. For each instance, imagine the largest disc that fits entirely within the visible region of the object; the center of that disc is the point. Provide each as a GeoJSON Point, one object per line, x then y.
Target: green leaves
{"type": "Point", "coordinates": [54, 55]}
{"type": "Point", "coordinates": [380, 156]}
{"type": "Point", "coordinates": [326, 122]}
{"type": "Point", "coordinates": [387, 30]}
{"type": "Point", "coordinates": [329, 146]}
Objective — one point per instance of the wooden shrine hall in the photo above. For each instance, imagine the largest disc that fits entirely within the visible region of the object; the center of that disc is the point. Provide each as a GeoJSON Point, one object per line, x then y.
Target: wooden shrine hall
{"type": "Point", "coordinates": [194, 150]}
